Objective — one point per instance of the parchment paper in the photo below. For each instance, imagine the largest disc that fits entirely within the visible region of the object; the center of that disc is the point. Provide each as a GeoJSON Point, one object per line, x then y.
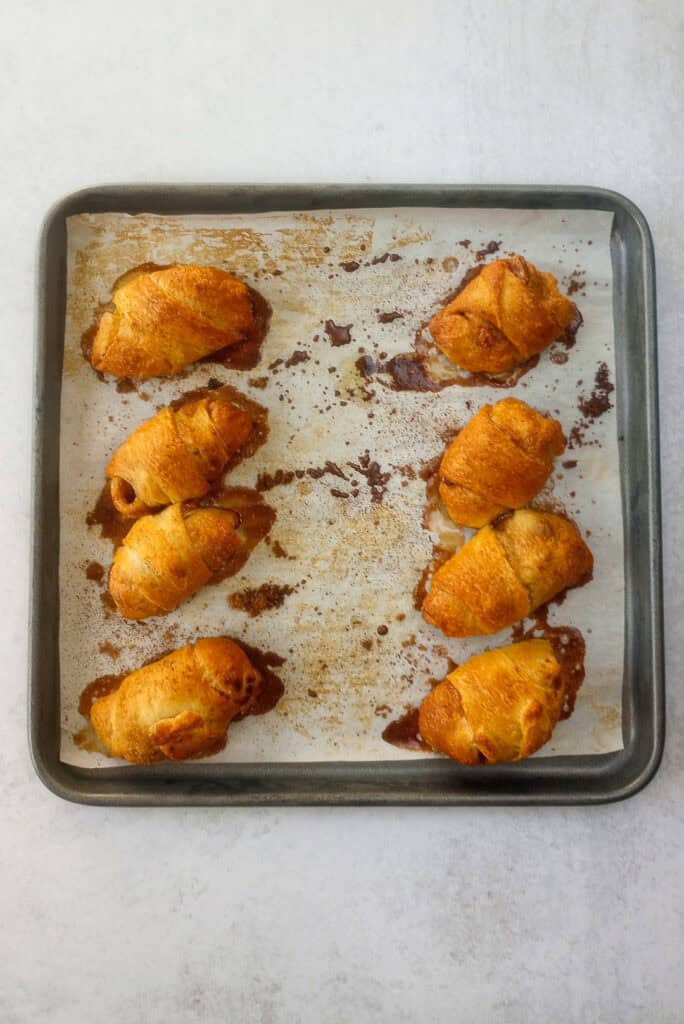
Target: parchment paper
{"type": "Point", "coordinates": [353, 561]}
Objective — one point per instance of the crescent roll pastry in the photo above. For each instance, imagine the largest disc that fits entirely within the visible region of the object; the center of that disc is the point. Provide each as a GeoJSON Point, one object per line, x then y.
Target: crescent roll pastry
{"type": "Point", "coordinates": [499, 706]}
{"type": "Point", "coordinates": [506, 571]}
{"type": "Point", "coordinates": [176, 455]}
{"type": "Point", "coordinates": [506, 314]}
{"type": "Point", "coordinates": [165, 559]}
{"type": "Point", "coordinates": [179, 707]}
{"type": "Point", "coordinates": [164, 319]}
{"type": "Point", "coordinates": [499, 461]}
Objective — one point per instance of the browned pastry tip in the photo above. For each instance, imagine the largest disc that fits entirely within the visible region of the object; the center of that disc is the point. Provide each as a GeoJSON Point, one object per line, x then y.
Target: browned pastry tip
{"type": "Point", "coordinates": [180, 706]}
{"type": "Point", "coordinates": [508, 569]}
{"type": "Point", "coordinates": [164, 319]}
{"type": "Point", "coordinates": [500, 460]}
{"type": "Point", "coordinates": [508, 313]}
{"type": "Point", "coordinates": [502, 705]}
{"type": "Point", "coordinates": [176, 455]}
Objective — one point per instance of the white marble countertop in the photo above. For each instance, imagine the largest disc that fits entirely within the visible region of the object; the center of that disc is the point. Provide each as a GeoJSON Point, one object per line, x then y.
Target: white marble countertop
{"type": "Point", "coordinates": [330, 916]}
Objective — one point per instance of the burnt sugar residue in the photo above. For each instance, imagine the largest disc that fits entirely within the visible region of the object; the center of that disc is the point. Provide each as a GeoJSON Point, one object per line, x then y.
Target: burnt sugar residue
{"type": "Point", "coordinates": [406, 372]}
{"type": "Point", "coordinates": [257, 600]}
{"type": "Point", "coordinates": [105, 647]}
{"type": "Point", "coordinates": [591, 407]}
{"type": "Point", "coordinates": [393, 257]}
{"type": "Point", "coordinates": [594, 405]}
{"type": "Point", "coordinates": [404, 732]}
{"type": "Point", "coordinates": [487, 250]}
{"type": "Point", "coordinates": [390, 317]}
{"type": "Point", "coordinates": [297, 357]}
{"type": "Point", "coordinates": [95, 571]}
{"type": "Point", "coordinates": [576, 282]}
{"type": "Point", "coordinates": [339, 334]}
{"type": "Point", "coordinates": [570, 648]}
{"type": "Point", "coordinates": [279, 478]}
{"type": "Point", "coordinates": [316, 472]}
{"type": "Point", "coordinates": [376, 479]}
{"type": "Point", "coordinates": [272, 687]}
{"type": "Point", "coordinates": [113, 526]}
{"type": "Point", "coordinates": [350, 266]}
{"type": "Point", "coordinates": [440, 555]}
{"type": "Point", "coordinates": [559, 350]}
{"type": "Point", "coordinates": [100, 687]}
{"type": "Point", "coordinates": [108, 605]}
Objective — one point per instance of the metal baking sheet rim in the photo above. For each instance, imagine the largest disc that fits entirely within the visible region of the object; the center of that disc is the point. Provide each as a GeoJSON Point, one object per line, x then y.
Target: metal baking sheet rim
{"type": "Point", "coordinates": [571, 780]}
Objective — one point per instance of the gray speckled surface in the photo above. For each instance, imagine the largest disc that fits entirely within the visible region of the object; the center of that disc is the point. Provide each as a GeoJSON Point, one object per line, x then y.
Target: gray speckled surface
{"type": "Point", "coordinates": [330, 916]}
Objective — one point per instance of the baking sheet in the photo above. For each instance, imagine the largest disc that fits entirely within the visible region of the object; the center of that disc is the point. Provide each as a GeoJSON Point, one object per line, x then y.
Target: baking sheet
{"type": "Point", "coordinates": [354, 560]}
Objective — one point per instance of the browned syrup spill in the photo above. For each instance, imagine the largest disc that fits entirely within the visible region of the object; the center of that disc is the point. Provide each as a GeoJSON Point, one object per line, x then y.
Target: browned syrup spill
{"type": "Point", "coordinates": [95, 572]}
{"type": "Point", "coordinates": [245, 355]}
{"type": "Point", "coordinates": [339, 334]}
{"type": "Point", "coordinates": [113, 526]}
{"type": "Point", "coordinates": [272, 687]}
{"type": "Point", "coordinates": [440, 555]}
{"type": "Point", "coordinates": [404, 732]}
{"type": "Point", "coordinates": [488, 250]}
{"type": "Point", "coordinates": [100, 687]}
{"type": "Point", "coordinates": [569, 647]}
{"type": "Point", "coordinates": [111, 650]}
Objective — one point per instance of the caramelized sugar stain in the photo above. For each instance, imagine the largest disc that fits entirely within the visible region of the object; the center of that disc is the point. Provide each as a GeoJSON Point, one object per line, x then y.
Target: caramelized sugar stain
{"type": "Point", "coordinates": [95, 572]}
{"type": "Point", "coordinates": [272, 687]}
{"type": "Point", "coordinates": [404, 732]}
{"type": "Point", "coordinates": [569, 646]}
{"type": "Point", "coordinates": [113, 526]}
{"type": "Point", "coordinates": [339, 334]}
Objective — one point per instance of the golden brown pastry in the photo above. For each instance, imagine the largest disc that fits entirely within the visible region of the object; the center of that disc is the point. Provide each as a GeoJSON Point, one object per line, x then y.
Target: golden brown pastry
{"type": "Point", "coordinates": [506, 314]}
{"type": "Point", "coordinates": [499, 461]}
{"type": "Point", "coordinates": [165, 559]}
{"type": "Point", "coordinates": [178, 707]}
{"type": "Point", "coordinates": [176, 455]}
{"type": "Point", "coordinates": [499, 706]}
{"type": "Point", "coordinates": [164, 319]}
{"type": "Point", "coordinates": [506, 571]}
